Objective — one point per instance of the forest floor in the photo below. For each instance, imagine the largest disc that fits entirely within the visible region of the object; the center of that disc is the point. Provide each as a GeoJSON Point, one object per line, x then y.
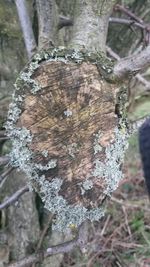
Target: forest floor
{"type": "Point", "coordinates": [122, 237]}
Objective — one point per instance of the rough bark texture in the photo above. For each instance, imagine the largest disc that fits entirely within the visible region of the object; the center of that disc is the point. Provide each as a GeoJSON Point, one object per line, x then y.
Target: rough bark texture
{"type": "Point", "coordinates": [66, 133]}
{"type": "Point", "coordinates": [48, 22]}
{"type": "Point", "coordinates": [91, 24]}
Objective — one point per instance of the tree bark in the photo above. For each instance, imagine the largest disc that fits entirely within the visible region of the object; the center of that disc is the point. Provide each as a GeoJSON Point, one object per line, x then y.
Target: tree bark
{"type": "Point", "coordinates": [48, 21]}
{"type": "Point", "coordinates": [91, 24]}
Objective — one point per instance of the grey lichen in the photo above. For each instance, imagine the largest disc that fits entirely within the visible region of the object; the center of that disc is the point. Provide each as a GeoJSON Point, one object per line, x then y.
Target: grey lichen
{"type": "Point", "coordinates": [110, 169]}
{"type": "Point", "coordinates": [45, 153]}
{"type": "Point", "coordinates": [72, 149]}
{"type": "Point", "coordinates": [66, 214]}
{"type": "Point", "coordinates": [87, 184]}
{"type": "Point", "coordinates": [64, 55]}
{"type": "Point", "coordinates": [26, 77]}
{"type": "Point", "coordinates": [68, 113]}
{"type": "Point", "coordinates": [76, 215]}
{"type": "Point", "coordinates": [50, 165]}
{"type": "Point", "coordinates": [97, 147]}
{"type": "Point", "coordinates": [21, 155]}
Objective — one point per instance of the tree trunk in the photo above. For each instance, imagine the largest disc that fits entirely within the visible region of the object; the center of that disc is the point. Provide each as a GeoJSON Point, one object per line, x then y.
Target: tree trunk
{"type": "Point", "coordinates": [64, 111]}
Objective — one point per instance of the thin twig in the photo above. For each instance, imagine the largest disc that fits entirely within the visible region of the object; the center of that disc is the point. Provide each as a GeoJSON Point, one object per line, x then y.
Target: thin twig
{"type": "Point", "coordinates": [44, 232]}
{"type": "Point", "coordinates": [128, 13]}
{"type": "Point", "coordinates": [126, 221]}
{"type": "Point", "coordinates": [127, 22]}
{"type": "Point", "coordinates": [43, 235]}
{"type": "Point", "coordinates": [14, 197]}
{"type": "Point", "coordinates": [128, 204]}
{"type": "Point", "coordinates": [105, 225]}
{"type": "Point", "coordinates": [127, 245]}
{"type": "Point", "coordinates": [4, 138]}
{"type": "Point", "coordinates": [112, 53]}
{"type": "Point", "coordinates": [146, 27]}
{"type": "Point", "coordinates": [5, 174]}
{"type": "Point", "coordinates": [79, 241]}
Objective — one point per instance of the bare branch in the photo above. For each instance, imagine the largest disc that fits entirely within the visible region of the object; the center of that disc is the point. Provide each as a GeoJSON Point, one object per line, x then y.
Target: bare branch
{"type": "Point", "coordinates": [112, 53]}
{"type": "Point", "coordinates": [132, 64]}
{"type": "Point", "coordinates": [26, 27]}
{"type": "Point", "coordinates": [4, 160]}
{"type": "Point", "coordinates": [64, 21]}
{"type": "Point", "coordinates": [127, 22]}
{"type": "Point", "coordinates": [137, 21]}
{"type": "Point", "coordinates": [4, 138]}
{"type": "Point", "coordinates": [79, 241]}
{"type": "Point", "coordinates": [14, 197]}
{"type": "Point", "coordinates": [128, 13]}
{"type": "Point", "coordinates": [34, 258]}
{"type": "Point", "coordinates": [48, 22]}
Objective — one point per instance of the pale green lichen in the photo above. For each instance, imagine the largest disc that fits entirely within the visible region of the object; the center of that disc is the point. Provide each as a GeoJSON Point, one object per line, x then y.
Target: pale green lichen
{"type": "Point", "coordinates": [97, 147]}
{"type": "Point", "coordinates": [21, 155]}
{"type": "Point", "coordinates": [110, 169]}
{"type": "Point", "coordinates": [85, 185]}
{"type": "Point", "coordinates": [50, 165]}
{"type": "Point", "coordinates": [64, 55]}
{"type": "Point", "coordinates": [65, 214]}
{"type": "Point", "coordinates": [68, 113]}
{"type": "Point", "coordinates": [72, 149]}
{"type": "Point", "coordinates": [45, 153]}
{"type": "Point", "coordinates": [26, 77]}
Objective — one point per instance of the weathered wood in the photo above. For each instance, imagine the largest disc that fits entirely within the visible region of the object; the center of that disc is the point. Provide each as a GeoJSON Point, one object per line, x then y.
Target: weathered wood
{"type": "Point", "coordinates": [69, 109]}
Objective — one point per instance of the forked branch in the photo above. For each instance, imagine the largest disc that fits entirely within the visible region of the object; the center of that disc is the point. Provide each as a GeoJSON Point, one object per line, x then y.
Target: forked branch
{"type": "Point", "coordinates": [14, 197]}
